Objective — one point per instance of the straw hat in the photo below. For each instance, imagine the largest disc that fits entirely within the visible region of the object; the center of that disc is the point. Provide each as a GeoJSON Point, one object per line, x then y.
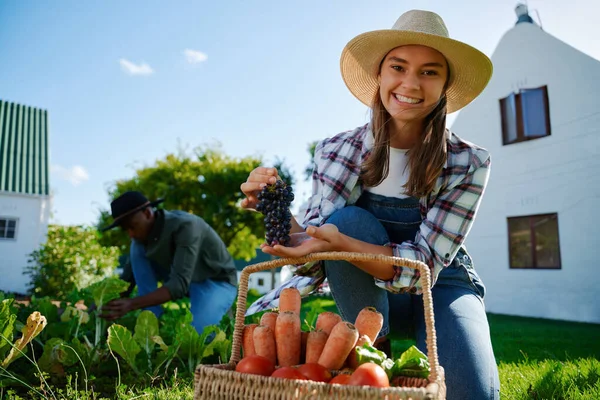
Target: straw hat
{"type": "Point", "coordinates": [470, 69]}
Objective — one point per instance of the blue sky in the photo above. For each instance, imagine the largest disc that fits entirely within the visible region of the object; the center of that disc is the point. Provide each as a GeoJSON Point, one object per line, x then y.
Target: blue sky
{"type": "Point", "coordinates": [127, 82]}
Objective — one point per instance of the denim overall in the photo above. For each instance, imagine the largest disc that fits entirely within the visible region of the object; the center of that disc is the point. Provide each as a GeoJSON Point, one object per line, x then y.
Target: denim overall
{"type": "Point", "coordinates": [463, 337]}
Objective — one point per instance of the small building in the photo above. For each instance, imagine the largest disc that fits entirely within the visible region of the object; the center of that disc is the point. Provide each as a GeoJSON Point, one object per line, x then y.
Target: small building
{"type": "Point", "coordinates": [25, 200]}
{"type": "Point", "coordinates": [536, 236]}
{"type": "Point", "coordinates": [262, 281]}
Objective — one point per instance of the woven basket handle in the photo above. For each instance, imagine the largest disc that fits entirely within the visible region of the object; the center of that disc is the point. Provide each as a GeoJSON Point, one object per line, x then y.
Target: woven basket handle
{"type": "Point", "coordinates": [344, 256]}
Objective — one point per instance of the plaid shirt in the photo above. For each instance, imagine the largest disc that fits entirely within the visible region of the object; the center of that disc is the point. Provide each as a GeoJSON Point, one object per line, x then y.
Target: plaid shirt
{"type": "Point", "coordinates": [448, 211]}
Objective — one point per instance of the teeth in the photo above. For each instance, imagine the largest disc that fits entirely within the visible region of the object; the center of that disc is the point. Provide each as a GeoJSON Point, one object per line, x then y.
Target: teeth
{"type": "Point", "coordinates": [407, 99]}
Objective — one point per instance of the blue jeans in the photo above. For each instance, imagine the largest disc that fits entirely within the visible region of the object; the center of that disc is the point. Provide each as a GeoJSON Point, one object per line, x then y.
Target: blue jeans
{"type": "Point", "coordinates": [210, 300]}
{"type": "Point", "coordinates": [463, 335]}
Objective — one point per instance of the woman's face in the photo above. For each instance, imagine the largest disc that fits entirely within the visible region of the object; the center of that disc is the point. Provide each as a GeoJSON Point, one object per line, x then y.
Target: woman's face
{"type": "Point", "coordinates": [411, 81]}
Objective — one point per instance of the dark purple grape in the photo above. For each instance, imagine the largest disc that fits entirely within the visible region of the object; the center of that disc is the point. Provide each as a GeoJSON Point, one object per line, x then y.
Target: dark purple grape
{"type": "Point", "coordinates": [274, 203]}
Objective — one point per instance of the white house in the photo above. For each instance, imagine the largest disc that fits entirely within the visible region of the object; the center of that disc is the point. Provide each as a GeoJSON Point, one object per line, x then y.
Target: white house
{"type": "Point", "coordinates": [262, 281]}
{"type": "Point", "coordinates": [24, 190]}
{"type": "Point", "coordinates": [536, 238]}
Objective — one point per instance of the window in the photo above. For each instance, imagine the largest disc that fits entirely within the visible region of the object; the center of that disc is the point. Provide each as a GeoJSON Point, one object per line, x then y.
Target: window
{"type": "Point", "coordinates": [8, 228]}
{"type": "Point", "coordinates": [525, 115]}
{"type": "Point", "coordinates": [261, 282]}
{"type": "Point", "coordinates": [533, 242]}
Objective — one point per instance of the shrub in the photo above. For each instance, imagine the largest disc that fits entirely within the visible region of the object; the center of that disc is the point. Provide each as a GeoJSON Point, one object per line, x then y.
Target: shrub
{"type": "Point", "coordinates": [71, 259]}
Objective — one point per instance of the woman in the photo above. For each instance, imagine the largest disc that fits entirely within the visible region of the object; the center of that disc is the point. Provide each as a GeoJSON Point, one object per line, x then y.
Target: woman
{"type": "Point", "coordinates": [402, 185]}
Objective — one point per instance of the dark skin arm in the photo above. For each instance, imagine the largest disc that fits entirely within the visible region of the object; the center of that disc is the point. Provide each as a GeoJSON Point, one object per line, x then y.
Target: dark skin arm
{"type": "Point", "coordinates": [115, 309]}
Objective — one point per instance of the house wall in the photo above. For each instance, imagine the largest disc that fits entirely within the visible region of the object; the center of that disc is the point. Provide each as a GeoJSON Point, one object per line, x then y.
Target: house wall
{"type": "Point", "coordinates": [267, 281]}
{"type": "Point", "coordinates": [556, 174]}
{"type": "Point", "coordinates": [33, 213]}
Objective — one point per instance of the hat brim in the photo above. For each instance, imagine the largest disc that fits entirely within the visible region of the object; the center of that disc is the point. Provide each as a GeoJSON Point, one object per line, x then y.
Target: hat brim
{"type": "Point", "coordinates": [117, 222]}
{"type": "Point", "coordinates": [470, 69]}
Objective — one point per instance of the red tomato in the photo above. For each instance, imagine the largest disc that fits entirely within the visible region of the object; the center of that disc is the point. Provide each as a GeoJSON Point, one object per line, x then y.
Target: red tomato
{"type": "Point", "coordinates": [341, 379]}
{"type": "Point", "coordinates": [315, 372]}
{"type": "Point", "coordinates": [288, 373]}
{"type": "Point", "coordinates": [369, 374]}
{"type": "Point", "coordinates": [256, 365]}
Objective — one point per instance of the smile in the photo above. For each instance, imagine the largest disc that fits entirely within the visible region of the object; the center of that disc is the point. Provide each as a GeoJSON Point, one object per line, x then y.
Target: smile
{"type": "Point", "coordinates": [409, 100]}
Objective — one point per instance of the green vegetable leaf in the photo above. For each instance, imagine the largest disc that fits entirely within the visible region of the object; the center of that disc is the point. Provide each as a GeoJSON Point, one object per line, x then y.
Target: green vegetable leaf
{"type": "Point", "coordinates": [160, 342]}
{"type": "Point", "coordinates": [413, 362]}
{"type": "Point", "coordinates": [107, 289]}
{"type": "Point", "coordinates": [146, 327]}
{"type": "Point", "coordinates": [367, 353]}
{"type": "Point", "coordinates": [209, 349]}
{"type": "Point", "coordinates": [121, 341]}
{"type": "Point", "coordinates": [7, 325]}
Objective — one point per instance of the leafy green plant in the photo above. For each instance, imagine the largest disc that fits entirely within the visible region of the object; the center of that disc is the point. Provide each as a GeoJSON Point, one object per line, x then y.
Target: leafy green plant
{"type": "Point", "coordinates": [72, 258]}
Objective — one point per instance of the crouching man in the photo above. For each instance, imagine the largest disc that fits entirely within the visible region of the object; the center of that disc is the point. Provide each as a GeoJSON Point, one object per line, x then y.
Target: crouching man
{"type": "Point", "coordinates": [176, 248]}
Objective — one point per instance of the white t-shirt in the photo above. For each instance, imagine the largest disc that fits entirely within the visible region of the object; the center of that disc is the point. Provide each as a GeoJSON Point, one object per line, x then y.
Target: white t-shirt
{"type": "Point", "coordinates": [392, 185]}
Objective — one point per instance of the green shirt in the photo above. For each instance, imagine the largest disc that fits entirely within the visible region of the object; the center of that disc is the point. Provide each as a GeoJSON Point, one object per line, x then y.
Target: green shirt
{"type": "Point", "coordinates": [183, 248]}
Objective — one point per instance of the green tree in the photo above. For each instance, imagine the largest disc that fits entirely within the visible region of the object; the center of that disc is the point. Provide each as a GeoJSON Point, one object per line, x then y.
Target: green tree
{"type": "Point", "coordinates": [72, 258]}
{"type": "Point", "coordinates": [309, 168]}
{"type": "Point", "coordinates": [205, 182]}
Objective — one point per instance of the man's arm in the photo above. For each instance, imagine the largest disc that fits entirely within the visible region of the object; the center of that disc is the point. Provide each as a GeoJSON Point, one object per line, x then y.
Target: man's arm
{"type": "Point", "coordinates": [117, 308]}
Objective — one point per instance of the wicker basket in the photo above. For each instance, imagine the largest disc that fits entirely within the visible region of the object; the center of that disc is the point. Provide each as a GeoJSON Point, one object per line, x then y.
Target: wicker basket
{"type": "Point", "coordinates": [223, 382]}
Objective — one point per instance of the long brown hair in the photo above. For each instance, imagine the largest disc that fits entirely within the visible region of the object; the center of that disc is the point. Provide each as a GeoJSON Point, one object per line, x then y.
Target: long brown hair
{"type": "Point", "coordinates": [426, 158]}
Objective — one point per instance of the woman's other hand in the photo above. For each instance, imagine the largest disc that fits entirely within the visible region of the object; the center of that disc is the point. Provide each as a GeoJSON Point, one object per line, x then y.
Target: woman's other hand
{"type": "Point", "coordinates": [314, 240]}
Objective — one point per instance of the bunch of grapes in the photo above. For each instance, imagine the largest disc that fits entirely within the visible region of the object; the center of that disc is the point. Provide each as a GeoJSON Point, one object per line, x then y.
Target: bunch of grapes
{"type": "Point", "coordinates": [274, 202]}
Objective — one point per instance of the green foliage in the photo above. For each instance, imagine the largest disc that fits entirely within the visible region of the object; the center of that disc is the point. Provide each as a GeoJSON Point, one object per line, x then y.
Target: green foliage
{"type": "Point", "coordinates": [72, 258]}
{"type": "Point", "coordinates": [131, 351]}
{"type": "Point", "coordinates": [205, 182]}
{"type": "Point", "coordinates": [309, 168]}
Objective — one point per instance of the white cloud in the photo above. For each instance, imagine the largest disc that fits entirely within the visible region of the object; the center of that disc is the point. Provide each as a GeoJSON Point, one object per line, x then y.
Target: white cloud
{"type": "Point", "coordinates": [76, 174]}
{"type": "Point", "coordinates": [135, 69]}
{"type": "Point", "coordinates": [194, 56]}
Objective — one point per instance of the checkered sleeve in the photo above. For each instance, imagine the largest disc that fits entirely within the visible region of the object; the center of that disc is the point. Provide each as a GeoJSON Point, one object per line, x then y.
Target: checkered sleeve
{"type": "Point", "coordinates": [445, 227]}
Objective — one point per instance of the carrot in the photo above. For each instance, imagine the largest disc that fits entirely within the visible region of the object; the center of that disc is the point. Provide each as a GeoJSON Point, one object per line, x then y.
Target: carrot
{"type": "Point", "coordinates": [303, 340]}
{"type": "Point", "coordinates": [369, 322]}
{"type": "Point", "coordinates": [326, 321]}
{"type": "Point", "coordinates": [290, 300]}
{"type": "Point", "coordinates": [340, 342]}
{"type": "Point", "coordinates": [248, 340]}
{"type": "Point", "coordinates": [264, 343]}
{"type": "Point", "coordinates": [314, 345]}
{"type": "Point", "coordinates": [269, 319]}
{"type": "Point", "coordinates": [352, 361]}
{"type": "Point", "coordinates": [288, 338]}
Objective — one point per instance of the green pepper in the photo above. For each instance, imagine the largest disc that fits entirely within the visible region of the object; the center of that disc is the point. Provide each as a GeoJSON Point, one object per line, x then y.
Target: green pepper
{"type": "Point", "coordinates": [367, 353]}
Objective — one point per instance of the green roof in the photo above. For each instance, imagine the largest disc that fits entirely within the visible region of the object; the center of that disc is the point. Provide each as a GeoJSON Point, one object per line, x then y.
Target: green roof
{"type": "Point", "coordinates": [24, 161]}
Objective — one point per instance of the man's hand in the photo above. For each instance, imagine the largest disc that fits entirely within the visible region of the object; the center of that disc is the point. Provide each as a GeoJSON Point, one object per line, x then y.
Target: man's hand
{"type": "Point", "coordinates": [115, 309]}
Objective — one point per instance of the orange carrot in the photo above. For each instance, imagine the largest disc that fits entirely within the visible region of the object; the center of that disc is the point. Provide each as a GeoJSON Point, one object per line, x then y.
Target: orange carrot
{"type": "Point", "coordinates": [303, 340]}
{"type": "Point", "coordinates": [269, 319]}
{"type": "Point", "coordinates": [290, 300]}
{"type": "Point", "coordinates": [248, 340]}
{"type": "Point", "coordinates": [264, 343]}
{"type": "Point", "coordinates": [339, 344]}
{"type": "Point", "coordinates": [369, 322]}
{"type": "Point", "coordinates": [314, 345]}
{"type": "Point", "coordinates": [288, 338]}
{"type": "Point", "coordinates": [352, 360]}
{"type": "Point", "coordinates": [326, 321]}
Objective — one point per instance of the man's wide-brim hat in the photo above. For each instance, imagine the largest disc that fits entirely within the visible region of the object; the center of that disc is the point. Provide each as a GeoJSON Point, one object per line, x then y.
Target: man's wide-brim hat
{"type": "Point", "coordinates": [470, 69]}
{"type": "Point", "coordinates": [127, 204]}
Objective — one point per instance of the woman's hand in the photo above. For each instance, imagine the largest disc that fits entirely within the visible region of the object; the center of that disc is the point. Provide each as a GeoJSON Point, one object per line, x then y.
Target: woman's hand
{"type": "Point", "coordinates": [257, 180]}
{"type": "Point", "coordinates": [314, 240]}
